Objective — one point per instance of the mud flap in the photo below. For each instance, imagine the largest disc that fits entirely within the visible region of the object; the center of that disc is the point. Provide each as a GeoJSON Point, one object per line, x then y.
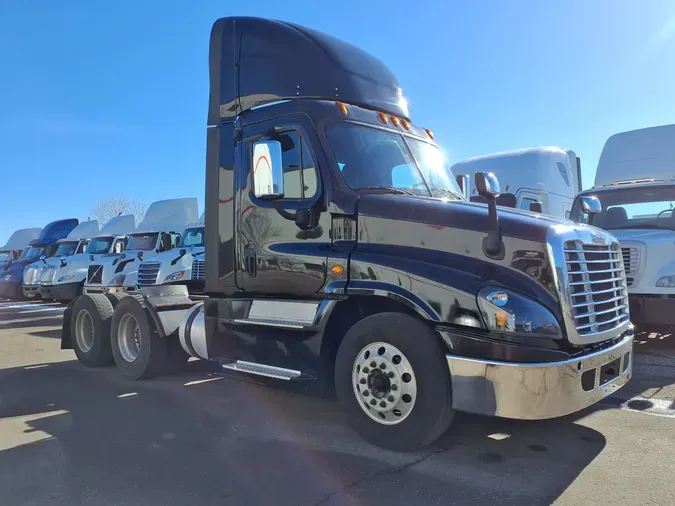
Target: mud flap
{"type": "Point", "coordinates": [66, 340]}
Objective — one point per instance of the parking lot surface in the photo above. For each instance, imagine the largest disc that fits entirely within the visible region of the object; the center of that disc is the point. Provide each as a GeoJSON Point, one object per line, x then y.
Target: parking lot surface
{"type": "Point", "coordinates": [78, 436]}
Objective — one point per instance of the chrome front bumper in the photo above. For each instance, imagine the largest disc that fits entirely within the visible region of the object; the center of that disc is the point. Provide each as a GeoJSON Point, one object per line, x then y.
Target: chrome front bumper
{"type": "Point", "coordinates": [539, 391]}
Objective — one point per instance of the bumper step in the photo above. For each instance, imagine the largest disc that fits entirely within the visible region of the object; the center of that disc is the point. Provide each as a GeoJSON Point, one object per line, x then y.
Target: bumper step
{"type": "Point", "coordinates": [263, 370]}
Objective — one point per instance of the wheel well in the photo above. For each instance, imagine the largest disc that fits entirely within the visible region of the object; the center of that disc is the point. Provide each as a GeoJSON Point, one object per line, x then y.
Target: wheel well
{"type": "Point", "coordinates": [343, 317]}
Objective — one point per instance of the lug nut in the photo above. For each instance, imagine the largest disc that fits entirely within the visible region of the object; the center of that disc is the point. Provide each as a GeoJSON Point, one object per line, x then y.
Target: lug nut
{"type": "Point", "coordinates": [366, 393]}
{"type": "Point", "coordinates": [383, 404]}
{"type": "Point", "coordinates": [390, 374]}
{"type": "Point", "coordinates": [383, 365]}
{"type": "Point", "coordinates": [362, 381]}
{"type": "Point", "coordinates": [373, 402]}
{"type": "Point", "coordinates": [373, 364]}
{"type": "Point", "coordinates": [394, 387]}
{"type": "Point", "coordinates": [390, 398]}
{"type": "Point", "coordinates": [365, 370]}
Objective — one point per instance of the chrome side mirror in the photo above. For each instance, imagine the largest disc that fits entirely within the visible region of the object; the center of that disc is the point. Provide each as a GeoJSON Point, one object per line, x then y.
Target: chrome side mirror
{"type": "Point", "coordinates": [268, 171]}
{"type": "Point", "coordinates": [463, 181]}
{"type": "Point", "coordinates": [590, 205]}
{"type": "Point", "coordinates": [487, 185]}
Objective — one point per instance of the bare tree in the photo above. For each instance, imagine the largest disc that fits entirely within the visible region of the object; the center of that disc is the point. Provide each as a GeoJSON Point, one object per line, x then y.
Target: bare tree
{"type": "Point", "coordinates": [109, 207]}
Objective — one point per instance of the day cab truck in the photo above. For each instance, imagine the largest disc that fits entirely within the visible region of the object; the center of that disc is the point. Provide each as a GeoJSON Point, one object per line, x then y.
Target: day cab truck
{"type": "Point", "coordinates": [541, 179]}
{"type": "Point", "coordinates": [158, 232]}
{"type": "Point", "coordinates": [62, 277]}
{"type": "Point", "coordinates": [14, 277]}
{"type": "Point", "coordinates": [322, 272]}
{"type": "Point", "coordinates": [15, 245]}
{"type": "Point", "coordinates": [183, 265]}
{"type": "Point", "coordinates": [633, 198]}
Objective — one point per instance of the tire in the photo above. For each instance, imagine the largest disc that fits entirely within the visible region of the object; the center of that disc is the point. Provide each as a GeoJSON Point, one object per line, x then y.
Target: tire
{"type": "Point", "coordinates": [401, 425]}
{"type": "Point", "coordinates": [90, 328]}
{"type": "Point", "coordinates": [137, 348]}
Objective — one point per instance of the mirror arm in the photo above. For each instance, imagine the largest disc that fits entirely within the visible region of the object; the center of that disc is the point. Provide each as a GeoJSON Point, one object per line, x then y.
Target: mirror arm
{"type": "Point", "coordinates": [493, 246]}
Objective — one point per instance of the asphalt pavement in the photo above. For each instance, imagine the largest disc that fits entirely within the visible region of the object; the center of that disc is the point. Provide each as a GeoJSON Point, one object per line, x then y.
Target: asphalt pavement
{"type": "Point", "coordinates": [77, 436]}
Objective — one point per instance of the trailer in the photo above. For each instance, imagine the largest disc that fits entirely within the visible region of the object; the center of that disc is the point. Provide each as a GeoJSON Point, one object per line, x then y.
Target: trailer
{"type": "Point", "coordinates": [341, 253]}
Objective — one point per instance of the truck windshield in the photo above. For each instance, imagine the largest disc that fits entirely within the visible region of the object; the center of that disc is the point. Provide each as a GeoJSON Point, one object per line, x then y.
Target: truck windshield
{"type": "Point", "coordinates": [99, 246]}
{"type": "Point", "coordinates": [373, 158]}
{"type": "Point", "coordinates": [142, 241]}
{"type": "Point", "coordinates": [633, 207]}
{"type": "Point", "coordinates": [66, 249]}
{"type": "Point", "coordinates": [193, 237]}
{"type": "Point", "coordinates": [34, 252]}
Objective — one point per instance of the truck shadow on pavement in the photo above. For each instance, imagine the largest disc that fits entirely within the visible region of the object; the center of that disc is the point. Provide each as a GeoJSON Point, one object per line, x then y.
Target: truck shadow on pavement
{"type": "Point", "coordinates": [74, 435]}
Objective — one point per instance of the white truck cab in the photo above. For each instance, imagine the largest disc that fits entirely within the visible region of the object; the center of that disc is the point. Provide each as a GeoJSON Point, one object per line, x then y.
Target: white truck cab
{"type": "Point", "coordinates": [184, 265]}
{"type": "Point", "coordinates": [74, 243]}
{"type": "Point", "coordinates": [635, 186]}
{"type": "Point", "coordinates": [63, 278]}
{"type": "Point", "coordinates": [547, 175]}
{"type": "Point", "coordinates": [158, 232]}
{"type": "Point", "coordinates": [16, 243]}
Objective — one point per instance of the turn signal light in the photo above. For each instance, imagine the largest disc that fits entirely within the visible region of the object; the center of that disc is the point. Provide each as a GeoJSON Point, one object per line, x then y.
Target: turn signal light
{"type": "Point", "coordinates": [337, 270]}
{"type": "Point", "coordinates": [383, 117]}
{"type": "Point", "coordinates": [430, 134]}
{"type": "Point", "coordinates": [342, 107]}
{"type": "Point", "coordinates": [405, 124]}
{"type": "Point", "coordinates": [395, 121]}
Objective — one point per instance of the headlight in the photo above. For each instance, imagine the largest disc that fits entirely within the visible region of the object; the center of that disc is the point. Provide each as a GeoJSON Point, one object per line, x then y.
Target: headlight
{"type": "Point", "coordinates": [176, 276]}
{"type": "Point", "coordinates": [666, 282]}
{"type": "Point", "coordinates": [65, 278]}
{"type": "Point", "coordinates": [507, 312]}
{"type": "Point", "coordinates": [117, 280]}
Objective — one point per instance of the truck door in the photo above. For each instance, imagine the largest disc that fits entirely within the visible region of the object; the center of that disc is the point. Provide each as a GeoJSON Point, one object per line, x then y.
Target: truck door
{"type": "Point", "coordinates": [275, 254]}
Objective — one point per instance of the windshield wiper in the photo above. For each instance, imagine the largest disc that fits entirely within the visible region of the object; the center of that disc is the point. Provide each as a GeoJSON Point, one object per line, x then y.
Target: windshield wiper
{"type": "Point", "coordinates": [447, 191]}
{"type": "Point", "coordinates": [389, 189]}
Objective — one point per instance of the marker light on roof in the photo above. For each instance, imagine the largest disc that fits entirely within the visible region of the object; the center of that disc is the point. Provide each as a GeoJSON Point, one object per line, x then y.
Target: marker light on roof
{"type": "Point", "coordinates": [405, 124]}
{"type": "Point", "coordinates": [383, 117]}
{"type": "Point", "coordinates": [430, 134]}
{"type": "Point", "coordinates": [395, 121]}
{"type": "Point", "coordinates": [342, 107]}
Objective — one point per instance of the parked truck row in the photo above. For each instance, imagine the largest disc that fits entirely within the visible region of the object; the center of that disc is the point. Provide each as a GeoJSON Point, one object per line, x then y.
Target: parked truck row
{"type": "Point", "coordinates": [338, 250]}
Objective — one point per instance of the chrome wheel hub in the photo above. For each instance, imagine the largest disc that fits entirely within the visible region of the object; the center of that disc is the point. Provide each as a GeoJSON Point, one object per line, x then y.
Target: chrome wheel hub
{"type": "Point", "coordinates": [129, 337]}
{"type": "Point", "coordinates": [84, 331]}
{"type": "Point", "coordinates": [384, 383]}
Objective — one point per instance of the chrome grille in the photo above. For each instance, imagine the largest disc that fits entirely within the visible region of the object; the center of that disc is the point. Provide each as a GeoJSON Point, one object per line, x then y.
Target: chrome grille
{"type": "Point", "coordinates": [30, 275]}
{"type": "Point", "coordinates": [47, 274]}
{"type": "Point", "coordinates": [147, 273]}
{"type": "Point", "coordinates": [596, 280]}
{"type": "Point", "coordinates": [198, 269]}
{"type": "Point", "coordinates": [631, 262]}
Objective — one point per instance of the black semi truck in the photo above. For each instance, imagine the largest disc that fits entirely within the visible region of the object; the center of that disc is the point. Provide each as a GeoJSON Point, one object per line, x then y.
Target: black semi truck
{"type": "Point", "coordinates": [341, 252]}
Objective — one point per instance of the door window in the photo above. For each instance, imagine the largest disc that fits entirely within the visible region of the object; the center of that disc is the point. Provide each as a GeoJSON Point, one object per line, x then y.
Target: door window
{"type": "Point", "coordinates": [525, 203]}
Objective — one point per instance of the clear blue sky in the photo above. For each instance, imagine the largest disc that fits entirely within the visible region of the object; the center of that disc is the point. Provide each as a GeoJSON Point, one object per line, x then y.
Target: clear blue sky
{"type": "Point", "coordinates": [111, 98]}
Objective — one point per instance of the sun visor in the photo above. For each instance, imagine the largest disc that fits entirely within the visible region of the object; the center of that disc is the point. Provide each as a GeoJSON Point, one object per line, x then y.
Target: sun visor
{"type": "Point", "coordinates": [254, 61]}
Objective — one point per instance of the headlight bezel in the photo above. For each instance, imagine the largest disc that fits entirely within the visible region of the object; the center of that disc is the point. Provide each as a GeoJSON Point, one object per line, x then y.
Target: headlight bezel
{"type": "Point", "coordinates": [506, 312]}
{"type": "Point", "coordinates": [175, 276]}
{"type": "Point", "coordinates": [670, 277]}
{"type": "Point", "coordinates": [117, 281]}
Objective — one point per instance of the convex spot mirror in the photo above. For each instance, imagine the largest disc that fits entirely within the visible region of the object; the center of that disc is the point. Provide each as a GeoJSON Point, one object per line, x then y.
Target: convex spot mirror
{"type": "Point", "coordinates": [267, 169]}
{"type": "Point", "coordinates": [487, 185]}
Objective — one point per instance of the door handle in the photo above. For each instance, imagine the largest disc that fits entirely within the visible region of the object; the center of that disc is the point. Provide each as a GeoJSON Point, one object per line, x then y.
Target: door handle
{"type": "Point", "coordinates": [250, 260]}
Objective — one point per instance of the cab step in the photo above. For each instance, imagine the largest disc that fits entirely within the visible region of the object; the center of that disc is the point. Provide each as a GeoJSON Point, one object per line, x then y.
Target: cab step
{"type": "Point", "coordinates": [263, 370]}
{"type": "Point", "coordinates": [274, 322]}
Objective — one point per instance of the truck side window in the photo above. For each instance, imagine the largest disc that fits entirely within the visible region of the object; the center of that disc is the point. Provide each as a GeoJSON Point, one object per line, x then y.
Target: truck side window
{"type": "Point", "coordinates": [298, 184]}
{"type": "Point", "coordinates": [525, 204]}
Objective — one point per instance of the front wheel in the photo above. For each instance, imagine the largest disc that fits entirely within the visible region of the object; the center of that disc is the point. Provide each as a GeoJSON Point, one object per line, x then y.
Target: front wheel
{"type": "Point", "coordinates": [392, 379]}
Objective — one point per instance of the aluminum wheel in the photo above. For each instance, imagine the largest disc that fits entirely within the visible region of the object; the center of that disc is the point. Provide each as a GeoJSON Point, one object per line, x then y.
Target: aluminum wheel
{"type": "Point", "coordinates": [84, 331]}
{"type": "Point", "coordinates": [384, 383]}
{"type": "Point", "coordinates": [129, 337]}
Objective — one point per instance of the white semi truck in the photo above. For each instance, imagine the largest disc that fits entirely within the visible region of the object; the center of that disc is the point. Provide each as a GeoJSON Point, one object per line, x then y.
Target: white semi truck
{"type": "Point", "coordinates": [43, 270]}
{"type": "Point", "coordinates": [540, 179]}
{"type": "Point", "coordinates": [159, 231]}
{"type": "Point", "coordinates": [184, 265]}
{"type": "Point", "coordinates": [16, 243]}
{"type": "Point", "coordinates": [63, 278]}
{"type": "Point", "coordinates": [635, 187]}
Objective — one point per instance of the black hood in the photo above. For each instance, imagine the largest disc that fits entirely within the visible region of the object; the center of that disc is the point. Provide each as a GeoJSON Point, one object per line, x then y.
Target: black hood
{"type": "Point", "coordinates": [458, 214]}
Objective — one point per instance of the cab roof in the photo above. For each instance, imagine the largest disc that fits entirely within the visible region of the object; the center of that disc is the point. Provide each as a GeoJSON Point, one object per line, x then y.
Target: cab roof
{"type": "Point", "coordinates": [254, 61]}
{"type": "Point", "coordinates": [20, 238]}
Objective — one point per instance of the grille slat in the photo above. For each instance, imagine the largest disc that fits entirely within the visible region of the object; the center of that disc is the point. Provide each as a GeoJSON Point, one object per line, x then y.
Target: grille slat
{"type": "Point", "coordinates": [595, 277]}
{"type": "Point", "coordinates": [198, 269]}
{"type": "Point", "coordinates": [147, 273]}
{"type": "Point", "coordinates": [631, 262]}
